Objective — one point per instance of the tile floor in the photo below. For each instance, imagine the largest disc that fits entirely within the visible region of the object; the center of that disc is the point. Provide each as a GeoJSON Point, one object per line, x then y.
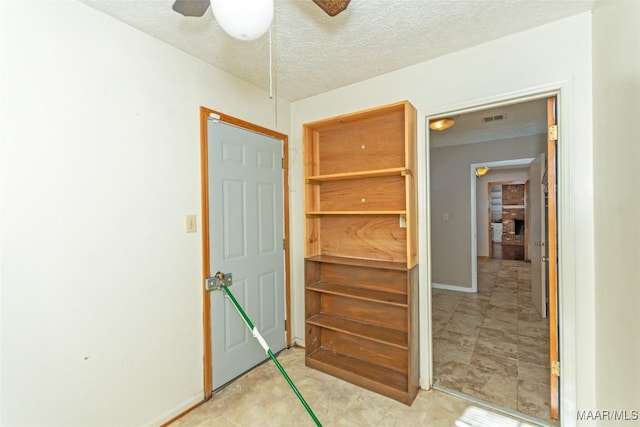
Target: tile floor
{"type": "Point", "coordinates": [493, 344]}
{"type": "Point", "coordinates": [262, 397]}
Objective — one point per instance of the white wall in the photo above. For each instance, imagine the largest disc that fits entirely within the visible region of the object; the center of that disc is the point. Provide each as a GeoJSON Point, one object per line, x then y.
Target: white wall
{"type": "Point", "coordinates": [101, 293]}
{"type": "Point", "coordinates": [502, 69]}
{"type": "Point", "coordinates": [451, 192]}
{"type": "Point", "coordinates": [616, 133]}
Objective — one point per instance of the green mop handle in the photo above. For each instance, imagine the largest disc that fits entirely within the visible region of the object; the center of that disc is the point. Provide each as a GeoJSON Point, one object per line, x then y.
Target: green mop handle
{"type": "Point", "coordinates": [265, 346]}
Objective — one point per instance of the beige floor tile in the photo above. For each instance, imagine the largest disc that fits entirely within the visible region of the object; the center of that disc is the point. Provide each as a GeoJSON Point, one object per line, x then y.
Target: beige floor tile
{"type": "Point", "coordinates": [465, 324]}
{"type": "Point", "coordinates": [474, 308]}
{"type": "Point", "coordinates": [501, 343]}
{"type": "Point", "coordinates": [533, 400]}
{"type": "Point", "coordinates": [500, 325]}
{"type": "Point", "coordinates": [492, 387]}
{"type": "Point", "coordinates": [509, 363]}
{"type": "Point", "coordinates": [451, 374]}
{"type": "Point", "coordinates": [533, 373]}
{"type": "Point", "coordinates": [258, 399]}
{"type": "Point", "coordinates": [499, 364]}
{"type": "Point", "coordinates": [445, 351]}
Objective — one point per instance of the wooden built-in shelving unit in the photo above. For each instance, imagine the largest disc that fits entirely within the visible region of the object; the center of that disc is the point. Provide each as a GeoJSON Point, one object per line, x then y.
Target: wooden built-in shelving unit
{"type": "Point", "coordinates": [361, 275]}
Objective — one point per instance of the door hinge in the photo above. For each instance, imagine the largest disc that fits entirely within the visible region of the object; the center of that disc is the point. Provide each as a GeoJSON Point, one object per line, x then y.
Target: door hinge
{"type": "Point", "coordinates": [283, 163]}
{"type": "Point", "coordinates": [285, 324]}
{"type": "Point", "coordinates": [553, 133]}
{"type": "Point", "coordinates": [555, 368]}
{"type": "Point", "coordinates": [284, 244]}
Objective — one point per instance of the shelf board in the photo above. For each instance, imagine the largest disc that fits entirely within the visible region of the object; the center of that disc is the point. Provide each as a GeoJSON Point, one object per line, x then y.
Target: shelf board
{"type": "Point", "coordinates": [324, 213]}
{"type": "Point", "coordinates": [374, 377]}
{"type": "Point", "coordinates": [381, 297]}
{"type": "Point", "coordinates": [375, 333]}
{"type": "Point", "coordinates": [368, 114]}
{"type": "Point", "coordinates": [319, 179]}
{"type": "Point", "coordinates": [359, 262]}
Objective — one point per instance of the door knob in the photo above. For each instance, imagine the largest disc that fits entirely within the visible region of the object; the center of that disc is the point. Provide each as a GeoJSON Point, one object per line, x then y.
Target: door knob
{"type": "Point", "coordinates": [545, 259]}
{"type": "Point", "coordinates": [215, 282]}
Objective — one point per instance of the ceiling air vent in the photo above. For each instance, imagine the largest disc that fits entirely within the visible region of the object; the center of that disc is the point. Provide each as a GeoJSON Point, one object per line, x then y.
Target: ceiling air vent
{"type": "Point", "coordinates": [496, 118]}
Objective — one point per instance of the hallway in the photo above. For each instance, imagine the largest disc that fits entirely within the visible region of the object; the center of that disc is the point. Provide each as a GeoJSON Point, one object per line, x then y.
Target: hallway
{"type": "Point", "coordinates": [493, 344]}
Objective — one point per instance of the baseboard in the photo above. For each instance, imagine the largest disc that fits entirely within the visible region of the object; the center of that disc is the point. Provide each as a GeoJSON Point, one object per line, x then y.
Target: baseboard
{"type": "Point", "coordinates": [452, 287]}
{"type": "Point", "coordinates": [178, 412]}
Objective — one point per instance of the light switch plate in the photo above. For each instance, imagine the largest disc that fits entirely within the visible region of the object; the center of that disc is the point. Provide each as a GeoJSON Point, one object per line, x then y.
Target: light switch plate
{"type": "Point", "coordinates": [191, 224]}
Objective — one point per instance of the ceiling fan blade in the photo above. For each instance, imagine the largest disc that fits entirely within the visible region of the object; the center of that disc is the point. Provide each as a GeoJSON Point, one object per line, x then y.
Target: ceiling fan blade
{"type": "Point", "coordinates": [332, 7]}
{"type": "Point", "coordinates": [191, 7]}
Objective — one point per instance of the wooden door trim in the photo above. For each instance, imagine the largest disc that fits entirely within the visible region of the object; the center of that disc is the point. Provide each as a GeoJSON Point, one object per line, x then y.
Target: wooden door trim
{"type": "Point", "coordinates": [205, 113]}
{"type": "Point", "coordinates": [552, 255]}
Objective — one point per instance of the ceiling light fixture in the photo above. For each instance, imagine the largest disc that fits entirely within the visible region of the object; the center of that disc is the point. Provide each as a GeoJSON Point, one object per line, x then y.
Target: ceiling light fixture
{"type": "Point", "coordinates": [482, 171]}
{"type": "Point", "coordinates": [243, 19]}
{"type": "Point", "coordinates": [441, 124]}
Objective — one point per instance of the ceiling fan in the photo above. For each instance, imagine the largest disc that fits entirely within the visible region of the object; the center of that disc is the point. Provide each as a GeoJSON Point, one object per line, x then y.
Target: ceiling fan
{"type": "Point", "coordinates": [247, 19]}
{"type": "Point", "coordinates": [199, 7]}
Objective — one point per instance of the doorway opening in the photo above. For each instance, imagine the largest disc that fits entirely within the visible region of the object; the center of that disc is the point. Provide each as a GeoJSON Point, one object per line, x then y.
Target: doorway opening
{"type": "Point", "coordinates": [488, 340]}
{"type": "Point", "coordinates": [507, 221]}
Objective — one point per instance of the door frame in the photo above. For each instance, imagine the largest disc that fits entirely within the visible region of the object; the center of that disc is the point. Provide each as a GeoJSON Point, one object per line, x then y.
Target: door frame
{"type": "Point", "coordinates": [205, 113]}
{"type": "Point", "coordinates": [566, 319]}
{"type": "Point", "coordinates": [474, 207]}
{"type": "Point", "coordinates": [526, 215]}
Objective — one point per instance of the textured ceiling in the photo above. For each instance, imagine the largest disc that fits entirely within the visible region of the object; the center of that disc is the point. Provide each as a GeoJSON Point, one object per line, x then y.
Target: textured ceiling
{"type": "Point", "coordinates": [314, 53]}
{"type": "Point", "coordinates": [521, 119]}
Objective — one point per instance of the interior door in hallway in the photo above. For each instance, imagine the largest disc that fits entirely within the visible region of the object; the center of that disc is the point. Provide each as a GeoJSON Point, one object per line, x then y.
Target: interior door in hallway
{"type": "Point", "coordinates": [552, 253]}
{"type": "Point", "coordinates": [246, 239]}
{"type": "Point", "coordinates": [537, 226]}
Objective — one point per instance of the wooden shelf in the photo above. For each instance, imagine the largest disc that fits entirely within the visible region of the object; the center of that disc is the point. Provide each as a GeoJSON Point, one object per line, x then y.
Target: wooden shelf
{"type": "Point", "coordinates": [361, 252]}
{"type": "Point", "coordinates": [360, 293]}
{"type": "Point", "coordinates": [359, 262]}
{"type": "Point", "coordinates": [386, 381]}
{"type": "Point", "coordinates": [319, 179]}
{"type": "Point", "coordinates": [370, 332]}
{"type": "Point", "coordinates": [324, 213]}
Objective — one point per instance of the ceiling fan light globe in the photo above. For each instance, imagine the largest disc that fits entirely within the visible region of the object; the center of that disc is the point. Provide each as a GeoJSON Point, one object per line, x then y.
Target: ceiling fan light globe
{"type": "Point", "coordinates": [243, 19]}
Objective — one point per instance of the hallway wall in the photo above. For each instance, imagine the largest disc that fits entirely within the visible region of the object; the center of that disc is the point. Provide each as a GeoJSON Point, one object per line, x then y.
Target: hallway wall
{"type": "Point", "coordinates": [451, 192]}
{"type": "Point", "coordinates": [616, 130]}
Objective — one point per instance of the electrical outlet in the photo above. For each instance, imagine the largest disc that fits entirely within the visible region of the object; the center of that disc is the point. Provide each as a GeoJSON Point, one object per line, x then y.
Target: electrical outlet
{"type": "Point", "coordinates": [191, 224]}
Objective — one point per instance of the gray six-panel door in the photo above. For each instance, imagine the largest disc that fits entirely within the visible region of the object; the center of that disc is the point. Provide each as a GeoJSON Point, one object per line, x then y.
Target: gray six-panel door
{"type": "Point", "coordinates": [246, 238]}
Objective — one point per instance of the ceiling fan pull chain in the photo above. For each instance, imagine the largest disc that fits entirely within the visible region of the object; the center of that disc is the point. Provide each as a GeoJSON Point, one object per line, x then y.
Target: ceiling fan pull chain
{"type": "Point", "coordinates": [273, 84]}
{"type": "Point", "coordinates": [270, 63]}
